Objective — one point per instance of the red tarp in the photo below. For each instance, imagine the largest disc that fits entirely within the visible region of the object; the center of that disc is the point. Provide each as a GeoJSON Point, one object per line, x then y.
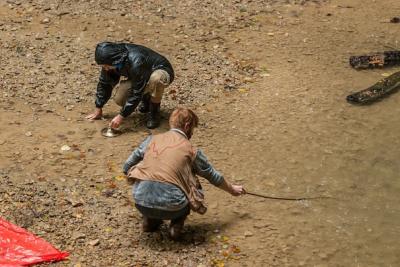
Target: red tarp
{"type": "Point", "coordinates": [18, 247]}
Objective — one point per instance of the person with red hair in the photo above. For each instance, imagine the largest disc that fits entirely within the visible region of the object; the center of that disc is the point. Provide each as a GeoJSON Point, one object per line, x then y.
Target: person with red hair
{"type": "Point", "coordinates": [164, 169]}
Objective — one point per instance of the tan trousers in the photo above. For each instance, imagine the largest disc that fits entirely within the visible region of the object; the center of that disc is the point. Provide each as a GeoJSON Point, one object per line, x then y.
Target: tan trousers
{"type": "Point", "coordinates": [159, 80]}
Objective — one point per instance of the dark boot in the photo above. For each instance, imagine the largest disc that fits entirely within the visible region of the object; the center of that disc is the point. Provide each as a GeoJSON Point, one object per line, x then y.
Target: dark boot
{"type": "Point", "coordinates": [145, 104]}
{"type": "Point", "coordinates": [150, 225]}
{"type": "Point", "coordinates": [176, 227]}
{"type": "Point", "coordinates": [154, 116]}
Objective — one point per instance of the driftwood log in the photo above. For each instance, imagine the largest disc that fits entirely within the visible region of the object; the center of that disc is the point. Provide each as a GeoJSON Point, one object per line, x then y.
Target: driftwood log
{"type": "Point", "coordinates": [377, 60]}
{"type": "Point", "coordinates": [382, 88]}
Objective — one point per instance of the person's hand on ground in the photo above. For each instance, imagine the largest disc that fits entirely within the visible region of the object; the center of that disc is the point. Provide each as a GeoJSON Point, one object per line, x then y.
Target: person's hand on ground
{"type": "Point", "coordinates": [237, 190]}
{"type": "Point", "coordinates": [116, 122]}
{"type": "Point", "coordinates": [96, 115]}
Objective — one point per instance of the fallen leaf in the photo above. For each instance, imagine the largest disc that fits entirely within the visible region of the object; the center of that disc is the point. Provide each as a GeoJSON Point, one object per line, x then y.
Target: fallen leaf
{"type": "Point", "coordinates": [120, 177]}
{"type": "Point", "coordinates": [111, 184]}
{"type": "Point", "coordinates": [235, 249]}
{"type": "Point", "coordinates": [225, 253]}
{"type": "Point", "coordinates": [218, 263]}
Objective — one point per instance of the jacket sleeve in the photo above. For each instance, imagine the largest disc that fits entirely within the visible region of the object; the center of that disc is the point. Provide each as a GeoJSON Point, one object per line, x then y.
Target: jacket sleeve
{"type": "Point", "coordinates": [138, 75]}
{"type": "Point", "coordinates": [203, 168]}
{"type": "Point", "coordinates": [137, 155]}
{"type": "Point", "coordinates": [107, 81]}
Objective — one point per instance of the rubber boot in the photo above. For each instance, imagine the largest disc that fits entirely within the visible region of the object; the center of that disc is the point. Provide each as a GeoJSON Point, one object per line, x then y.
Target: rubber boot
{"type": "Point", "coordinates": [150, 225]}
{"type": "Point", "coordinates": [176, 227]}
{"type": "Point", "coordinates": [154, 116]}
{"type": "Point", "coordinates": [145, 104]}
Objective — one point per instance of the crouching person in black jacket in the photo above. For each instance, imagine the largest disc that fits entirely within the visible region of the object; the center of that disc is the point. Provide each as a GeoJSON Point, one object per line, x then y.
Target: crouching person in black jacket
{"type": "Point", "coordinates": [148, 74]}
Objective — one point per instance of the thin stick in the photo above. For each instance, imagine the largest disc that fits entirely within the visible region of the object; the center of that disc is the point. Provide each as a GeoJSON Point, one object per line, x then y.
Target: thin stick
{"type": "Point", "coordinates": [285, 198]}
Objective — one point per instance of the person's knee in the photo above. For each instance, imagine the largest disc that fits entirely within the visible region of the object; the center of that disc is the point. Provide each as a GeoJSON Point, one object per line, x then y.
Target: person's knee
{"type": "Point", "coordinates": [158, 81]}
{"type": "Point", "coordinates": [160, 78]}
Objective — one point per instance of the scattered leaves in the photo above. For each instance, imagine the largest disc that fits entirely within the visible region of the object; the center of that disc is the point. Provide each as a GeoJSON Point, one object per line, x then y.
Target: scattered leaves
{"type": "Point", "coordinates": [218, 263]}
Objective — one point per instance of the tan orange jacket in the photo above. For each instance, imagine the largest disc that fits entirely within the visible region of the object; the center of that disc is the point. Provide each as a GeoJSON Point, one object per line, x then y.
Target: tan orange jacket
{"type": "Point", "coordinates": [169, 158]}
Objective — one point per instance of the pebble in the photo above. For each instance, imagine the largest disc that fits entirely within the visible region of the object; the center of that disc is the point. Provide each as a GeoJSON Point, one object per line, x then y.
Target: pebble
{"type": "Point", "coordinates": [65, 148]}
{"type": "Point", "coordinates": [75, 203]}
{"type": "Point", "coordinates": [94, 242]}
{"type": "Point", "coordinates": [248, 234]}
{"type": "Point", "coordinates": [78, 235]}
{"type": "Point", "coordinates": [45, 21]}
{"type": "Point", "coordinates": [69, 107]}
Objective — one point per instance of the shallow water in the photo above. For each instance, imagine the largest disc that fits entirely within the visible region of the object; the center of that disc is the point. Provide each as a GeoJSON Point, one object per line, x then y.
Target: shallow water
{"type": "Point", "coordinates": [347, 152]}
{"type": "Point", "coordinates": [306, 140]}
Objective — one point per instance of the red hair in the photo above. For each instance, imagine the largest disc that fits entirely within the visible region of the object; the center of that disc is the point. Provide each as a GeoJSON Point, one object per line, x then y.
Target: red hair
{"type": "Point", "coordinates": [180, 116]}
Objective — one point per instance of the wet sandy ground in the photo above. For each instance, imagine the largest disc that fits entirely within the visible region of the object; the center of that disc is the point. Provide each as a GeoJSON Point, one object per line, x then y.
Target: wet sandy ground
{"type": "Point", "coordinates": [284, 131]}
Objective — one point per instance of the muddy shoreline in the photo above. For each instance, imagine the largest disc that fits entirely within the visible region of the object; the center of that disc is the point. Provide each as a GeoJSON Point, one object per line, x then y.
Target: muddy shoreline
{"type": "Point", "coordinates": [268, 80]}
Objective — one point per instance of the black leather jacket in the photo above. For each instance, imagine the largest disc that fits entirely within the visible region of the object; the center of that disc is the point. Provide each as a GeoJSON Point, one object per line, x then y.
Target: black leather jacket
{"type": "Point", "coordinates": [135, 62]}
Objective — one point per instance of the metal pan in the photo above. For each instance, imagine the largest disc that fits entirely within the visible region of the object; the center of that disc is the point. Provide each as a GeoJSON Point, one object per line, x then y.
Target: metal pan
{"type": "Point", "coordinates": [110, 132]}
